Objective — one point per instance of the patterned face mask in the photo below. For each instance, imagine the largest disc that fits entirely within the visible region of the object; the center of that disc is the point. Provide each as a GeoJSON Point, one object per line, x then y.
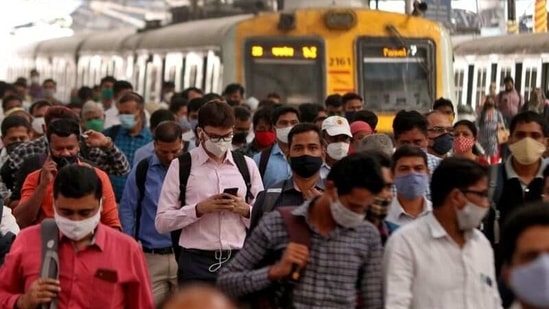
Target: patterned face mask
{"type": "Point", "coordinates": [378, 209]}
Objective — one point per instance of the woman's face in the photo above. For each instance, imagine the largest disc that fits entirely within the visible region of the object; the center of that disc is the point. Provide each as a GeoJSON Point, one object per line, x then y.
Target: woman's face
{"type": "Point", "coordinates": [463, 131]}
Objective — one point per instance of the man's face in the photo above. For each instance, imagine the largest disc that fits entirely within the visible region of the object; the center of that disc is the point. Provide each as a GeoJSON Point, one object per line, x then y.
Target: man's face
{"type": "Point", "coordinates": [358, 200]}
{"type": "Point", "coordinates": [64, 146]}
{"type": "Point", "coordinates": [40, 112]}
{"type": "Point", "coordinates": [447, 111]}
{"type": "Point", "coordinates": [131, 108]}
{"type": "Point", "coordinates": [16, 135]}
{"type": "Point", "coordinates": [49, 86]}
{"type": "Point", "coordinates": [353, 105]}
{"type": "Point", "coordinates": [182, 112]}
{"type": "Point", "coordinates": [387, 192]}
{"type": "Point", "coordinates": [509, 86]}
{"type": "Point", "coordinates": [335, 111]}
{"type": "Point", "coordinates": [13, 104]}
{"type": "Point", "coordinates": [407, 165]}
{"type": "Point", "coordinates": [320, 117]}
{"type": "Point", "coordinates": [263, 125]}
{"type": "Point", "coordinates": [234, 97]}
{"type": "Point", "coordinates": [306, 143]}
{"type": "Point", "coordinates": [530, 244]}
{"type": "Point", "coordinates": [166, 152]}
{"type": "Point", "coordinates": [438, 124]}
{"type": "Point", "coordinates": [77, 209]}
{"type": "Point", "coordinates": [21, 91]}
{"type": "Point", "coordinates": [414, 137]}
{"type": "Point", "coordinates": [527, 129]}
{"type": "Point", "coordinates": [286, 120]}
{"type": "Point", "coordinates": [242, 126]}
{"type": "Point", "coordinates": [122, 92]}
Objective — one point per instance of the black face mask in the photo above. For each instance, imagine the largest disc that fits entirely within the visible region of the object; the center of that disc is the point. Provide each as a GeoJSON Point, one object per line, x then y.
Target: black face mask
{"type": "Point", "coordinates": [12, 146]}
{"type": "Point", "coordinates": [443, 144]}
{"type": "Point", "coordinates": [64, 161]}
{"type": "Point", "coordinates": [240, 138]}
{"type": "Point", "coordinates": [350, 116]}
{"type": "Point", "coordinates": [305, 166]}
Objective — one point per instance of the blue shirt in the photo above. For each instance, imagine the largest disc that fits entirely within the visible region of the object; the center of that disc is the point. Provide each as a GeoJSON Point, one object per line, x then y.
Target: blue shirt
{"type": "Point", "coordinates": [128, 145]}
{"type": "Point", "coordinates": [148, 235]}
{"type": "Point", "coordinates": [277, 169]}
{"type": "Point", "coordinates": [143, 152]}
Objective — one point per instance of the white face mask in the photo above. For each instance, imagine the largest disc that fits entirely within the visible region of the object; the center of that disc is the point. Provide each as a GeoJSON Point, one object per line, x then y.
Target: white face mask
{"type": "Point", "coordinates": [38, 124]}
{"type": "Point", "coordinates": [217, 149]}
{"type": "Point", "coordinates": [337, 151]}
{"type": "Point", "coordinates": [77, 230]}
{"type": "Point", "coordinates": [344, 216]}
{"type": "Point", "coordinates": [282, 134]}
{"type": "Point", "coordinates": [470, 216]}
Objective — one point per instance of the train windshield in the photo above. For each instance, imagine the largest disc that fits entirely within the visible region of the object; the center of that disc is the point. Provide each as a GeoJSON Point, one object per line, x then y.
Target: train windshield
{"type": "Point", "coordinates": [396, 76]}
{"type": "Point", "coordinates": [291, 68]}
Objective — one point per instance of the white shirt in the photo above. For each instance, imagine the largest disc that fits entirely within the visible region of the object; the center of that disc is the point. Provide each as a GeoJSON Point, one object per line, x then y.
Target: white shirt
{"type": "Point", "coordinates": [111, 117]}
{"type": "Point", "coordinates": [425, 269]}
{"type": "Point", "coordinates": [400, 217]}
{"type": "Point", "coordinates": [8, 224]}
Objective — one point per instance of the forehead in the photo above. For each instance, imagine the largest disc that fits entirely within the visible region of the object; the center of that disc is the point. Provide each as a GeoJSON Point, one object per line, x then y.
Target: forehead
{"type": "Point", "coordinates": [306, 138]}
{"type": "Point", "coordinates": [288, 116]}
{"type": "Point", "coordinates": [128, 104]}
{"type": "Point", "coordinates": [60, 139]}
{"type": "Point", "coordinates": [462, 128]}
{"type": "Point", "coordinates": [413, 134]}
{"type": "Point", "coordinates": [166, 145]}
{"type": "Point", "coordinates": [438, 120]}
{"type": "Point", "coordinates": [410, 161]}
{"type": "Point", "coordinates": [533, 239]}
{"type": "Point", "coordinates": [218, 130]}
{"type": "Point", "coordinates": [529, 127]}
{"type": "Point", "coordinates": [481, 184]}
{"type": "Point", "coordinates": [86, 202]}
{"type": "Point", "coordinates": [17, 130]}
{"type": "Point", "coordinates": [444, 109]}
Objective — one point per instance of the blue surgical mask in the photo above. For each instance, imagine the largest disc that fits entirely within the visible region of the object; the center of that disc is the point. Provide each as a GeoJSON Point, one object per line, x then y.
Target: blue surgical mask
{"type": "Point", "coordinates": [127, 121]}
{"type": "Point", "coordinates": [443, 144]}
{"type": "Point", "coordinates": [184, 123]}
{"type": "Point", "coordinates": [194, 123]}
{"type": "Point", "coordinates": [530, 282]}
{"type": "Point", "coordinates": [412, 185]}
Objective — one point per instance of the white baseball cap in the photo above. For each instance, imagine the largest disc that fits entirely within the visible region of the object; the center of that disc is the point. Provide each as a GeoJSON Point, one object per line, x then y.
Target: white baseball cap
{"type": "Point", "coordinates": [336, 125]}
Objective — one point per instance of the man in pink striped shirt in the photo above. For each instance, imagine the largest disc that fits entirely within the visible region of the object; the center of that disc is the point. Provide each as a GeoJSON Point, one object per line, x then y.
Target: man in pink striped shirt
{"type": "Point", "coordinates": [213, 223]}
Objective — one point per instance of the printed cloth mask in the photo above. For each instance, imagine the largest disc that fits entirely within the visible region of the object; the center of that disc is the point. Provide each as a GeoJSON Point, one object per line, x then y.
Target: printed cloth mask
{"type": "Point", "coordinates": [470, 216]}
{"type": "Point", "coordinates": [12, 146]}
{"type": "Point", "coordinates": [127, 121]}
{"type": "Point", "coordinates": [282, 134]}
{"type": "Point", "coordinates": [64, 161]}
{"type": "Point", "coordinates": [305, 166]}
{"type": "Point", "coordinates": [217, 149]}
{"type": "Point", "coordinates": [527, 151]}
{"type": "Point", "coordinates": [463, 144]}
{"type": "Point", "coordinates": [265, 138]}
{"type": "Point", "coordinates": [443, 143]}
{"type": "Point", "coordinates": [412, 185]}
{"type": "Point", "coordinates": [77, 230]}
{"type": "Point", "coordinates": [95, 124]}
{"type": "Point", "coordinates": [530, 282]}
{"type": "Point", "coordinates": [379, 208]}
{"type": "Point", "coordinates": [38, 124]}
{"type": "Point", "coordinates": [337, 151]}
{"type": "Point", "coordinates": [344, 216]}
{"type": "Point", "coordinates": [107, 94]}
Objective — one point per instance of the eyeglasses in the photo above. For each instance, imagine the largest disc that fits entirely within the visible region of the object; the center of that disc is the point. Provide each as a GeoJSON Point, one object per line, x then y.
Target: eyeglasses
{"type": "Point", "coordinates": [481, 194]}
{"type": "Point", "coordinates": [441, 130]}
{"type": "Point", "coordinates": [216, 138]}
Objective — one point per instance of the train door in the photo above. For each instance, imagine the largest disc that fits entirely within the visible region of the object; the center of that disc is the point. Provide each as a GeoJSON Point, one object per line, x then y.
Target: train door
{"type": "Point", "coordinates": [460, 79]}
{"type": "Point", "coordinates": [545, 74]}
{"type": "Point", "coordinates": [194, 67]}
{"type": "Point", "coordinates": [505, 68]}
{"type": "Point", "coordinates": [173, 69]}
{"type": "Point", "coordinates": [481, 81]}
{"type": "Point", "coordinates": [140, 73]}
{"type": "Point", "coordinates": [213, 73]}
{"type": "Point", "coordinates": [530, 77]}
{"type": "Point", "coordinates": [153, 83]}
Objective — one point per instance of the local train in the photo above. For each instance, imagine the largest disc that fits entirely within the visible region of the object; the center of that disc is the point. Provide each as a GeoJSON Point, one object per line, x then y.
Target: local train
{"type": "Point", "coordinates": [395, 61]}
{"type": "Point", "coordinates": [480, 62]}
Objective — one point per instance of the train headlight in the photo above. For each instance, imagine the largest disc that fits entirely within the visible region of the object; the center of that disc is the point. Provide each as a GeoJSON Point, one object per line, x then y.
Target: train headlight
{"type": "Point", "coordinates": [340, 19]}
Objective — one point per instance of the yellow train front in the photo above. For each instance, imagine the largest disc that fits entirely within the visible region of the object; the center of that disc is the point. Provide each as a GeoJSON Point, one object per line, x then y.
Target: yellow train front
{"type": "Point", "coordinates": [395, 61]}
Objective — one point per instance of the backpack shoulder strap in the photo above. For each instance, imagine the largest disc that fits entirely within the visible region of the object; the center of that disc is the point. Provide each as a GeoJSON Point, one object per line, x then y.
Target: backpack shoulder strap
{"type": "Point", "coordinates": [242, 166]}
{"type": "Point", "coordinates": [49, 235]}
{"type": "Point", "coordinates": [271, 197]}
{"type": "Point", "coordinates": [496, 178]}
{"type": "Point", "coordinates": [263, 160]}
{"type": "Point", "coordinates": [140, 178]}
{"type": "Point", "coordinates": [113, 132]}
{"type": "Point", "coordinates": [185, 163]}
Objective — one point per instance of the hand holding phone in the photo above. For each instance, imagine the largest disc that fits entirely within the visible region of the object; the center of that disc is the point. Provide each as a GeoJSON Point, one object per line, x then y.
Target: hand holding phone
{"type": "Point", "coordinates": [231, 191]}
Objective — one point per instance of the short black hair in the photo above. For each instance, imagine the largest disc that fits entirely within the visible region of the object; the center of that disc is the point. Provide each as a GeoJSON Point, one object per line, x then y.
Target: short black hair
{"type": "Point", "coordinates": [408, 120]}
{"type": "Point", "coordinates": [440, 102]}
{"type": "Point", "coordinates": [266, 104]}
{"type": "Point", "coordinates": [334, 100]}
{"type": "Point", "coordinates": [357, 171]}
{"type": "Point", "coordinates": [508, 79]}
{"type": "Point", "coordinates": [309, 111]}
{"type": "Point", "coordinates": [521, 219]}
{"type": "Point", "coordinates": [195, 104]}
{"type": "Point", "coordinates": [212, 96]}
{"type": "Point", "coordinates": [132, 96]}
{"type": "Point", "coordinates": [282, 110]}
{"type": "Point", "coordinates": [77, 181]}
{"type": "Point", "coordinates": [469, 124]}
{"type": "Point", "coordinates": [527, 117]}
{"type": "Point", "coordinates": [159, 116]}
{"type": "Point", "coordinates": [216, 114]}
{"type": "Point", "coordinates": [177, 102]}
{"type": "Point", "coordinates": [241, 113]}
{"type": "Point", "coordinates": [185, 93]}
{"type": "Point", "coordinates": [107, 79]}
{"type": "Point", "coordinates": [351, 96]}
{"type": "Point", "coordinates": [39, 104]}
{"type": "Point", "coordinates": [454, 173]}
{"type": "Point", "coordinates": [409, 151]}
{"type": "Point", "coordinates": [274, 95]}
{"type": "Point", "coordinates": [265, 114]}
{"type": "Point", "coordinates": [9, 98]}
{"type": "Point", "coordinates": [232, 88]}
{"type": "Point", "coordinates": [168, 132]}
{"type": "Point", "coordinates": [21, 82]}
{"type": "Point", "coordinates": [383, 159]}
{"type": "Point", "coordinates": [168, 84]}
{"type": "Point", "coordinates": [302, 128]}
{"type": "Point", "coordinates": [121, 85]}
{"type": "Point", "coordinates": [14, 121]}
{"type": "Point", "coordinates": [63, 127]}
{"type": "Point", "coordinates": [367, 116]}
{"type": "Point", "coordinates": [49, 80]}
{"type": "Point", "coordinates": [85, 93]}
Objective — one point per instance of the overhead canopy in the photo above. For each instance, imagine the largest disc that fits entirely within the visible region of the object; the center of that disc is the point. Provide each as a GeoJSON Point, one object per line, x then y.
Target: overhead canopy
{"type": "Point", "coordinates": [111, 41]}
{"type": "Point", "coordinates": [530, 43]}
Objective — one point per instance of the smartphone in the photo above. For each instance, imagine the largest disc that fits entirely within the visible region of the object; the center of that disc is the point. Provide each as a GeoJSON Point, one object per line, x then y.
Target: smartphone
{"type": "Point", "coordinates": [231, 191]}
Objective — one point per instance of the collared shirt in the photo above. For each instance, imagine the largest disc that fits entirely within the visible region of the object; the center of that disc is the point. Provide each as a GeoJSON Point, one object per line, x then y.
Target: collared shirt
{"type": "Point", "coordinates": [289, 196]}
{"type": "Point", "coordinates": [8, 224]}
{"type": "Point", "coordinates": [128, 144]}
{"type": "Point", "coordinates": [109, 211]}
{"type": "Point", "coordinates": [336, 263]}
{"type": "Point", "coordinates": [212, 231]}
{"type": "Point", "coordinates": [148, 235]}
{"type": "Point", "coordinates": [111, 116]}
{"type": "Point", "coordinates": [510, 170]}
{"type": "Point", "coordinates": [398, 216]}
{"type": "Point", "coordinates": [143, 152]}
{"type": "Point", "coordinates": [4, 156]}
{"type": "Point", "coordinates": [277, 168]}
{"type": "Point", "coordinates": [113, 162]}
{"type": "Point", "coordinates": [324, 171]}
{"type": "Point", "coordinates": [425, 268]}
{"type": "Point", "coordinates": [80, 271]}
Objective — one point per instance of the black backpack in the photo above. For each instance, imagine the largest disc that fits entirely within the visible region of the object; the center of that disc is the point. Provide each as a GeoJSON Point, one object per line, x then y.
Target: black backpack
{"type": "Point", "coordinates": [5, 240]}
{"type": "Point", "coordinates": [185, 163]}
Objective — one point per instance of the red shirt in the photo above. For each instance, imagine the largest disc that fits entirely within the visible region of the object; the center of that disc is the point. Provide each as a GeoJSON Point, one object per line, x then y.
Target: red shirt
{"type": "Point", "coordinates": [80, 286]}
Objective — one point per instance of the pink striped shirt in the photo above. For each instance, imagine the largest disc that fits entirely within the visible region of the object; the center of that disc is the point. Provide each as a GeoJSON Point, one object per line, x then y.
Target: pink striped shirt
{"type": "Point", "coordinates": [222, 230]}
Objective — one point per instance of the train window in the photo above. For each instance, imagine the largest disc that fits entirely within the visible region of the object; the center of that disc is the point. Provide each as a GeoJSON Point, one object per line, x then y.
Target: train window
{"type": "Point", "coordinates": [394, 77]}
{"type": "Point", "coordinates": [530, 80]}
{"type": "Point", "coordinates": [481, 84]}
{"type": "Point", "coordinates": [504, 73]}
{"type": "Point", "coordinates": [291, 67]}
{"type": "Point", "coordinates": [459, 78]}
{"type": "Point", "coordinates": [194, 67]}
